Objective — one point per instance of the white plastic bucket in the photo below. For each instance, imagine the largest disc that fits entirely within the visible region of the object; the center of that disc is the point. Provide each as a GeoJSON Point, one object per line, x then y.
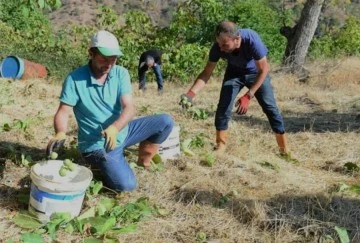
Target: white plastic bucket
{"type": "Point", "coordinates": [170, 148]}
{"type": "Point", "coordinates": [51, 192]}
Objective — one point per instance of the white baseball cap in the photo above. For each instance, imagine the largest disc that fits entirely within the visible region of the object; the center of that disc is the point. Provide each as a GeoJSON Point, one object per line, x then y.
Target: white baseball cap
{"type": "Point", "coordinates": [106, 43]}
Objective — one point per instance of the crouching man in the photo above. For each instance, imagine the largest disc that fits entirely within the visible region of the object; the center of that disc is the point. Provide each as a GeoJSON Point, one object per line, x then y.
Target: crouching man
{"type": "Point", "coordinates": [99, 94]}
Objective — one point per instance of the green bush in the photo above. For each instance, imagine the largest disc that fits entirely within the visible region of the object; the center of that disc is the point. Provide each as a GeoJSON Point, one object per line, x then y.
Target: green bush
{"type": "Point", "coordinates": [348, 39]}
{"type": "Point", "coordinates": [27, 32]}
{"type": "Point", "coordinates": [344, 41]}
{"type": "Point", "coordinates": [322, 47]}
{"type": "Point", "coordinates": [257, 16]}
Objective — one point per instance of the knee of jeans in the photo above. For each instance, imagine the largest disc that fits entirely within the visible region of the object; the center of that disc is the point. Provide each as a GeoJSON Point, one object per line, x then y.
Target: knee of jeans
{"type": "Point", "coordinates": [167, 121]}
{"type": "Point", "coordinates": [127, 186]}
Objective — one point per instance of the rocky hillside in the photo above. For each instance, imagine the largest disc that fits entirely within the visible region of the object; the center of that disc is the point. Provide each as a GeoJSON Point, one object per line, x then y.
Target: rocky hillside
{"type": "Point", "coordinates": [85, 11]}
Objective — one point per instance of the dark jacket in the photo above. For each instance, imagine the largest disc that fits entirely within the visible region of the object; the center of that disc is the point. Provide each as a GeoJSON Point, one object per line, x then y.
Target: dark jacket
{"type": "Point", "coordinates": [156, 54]}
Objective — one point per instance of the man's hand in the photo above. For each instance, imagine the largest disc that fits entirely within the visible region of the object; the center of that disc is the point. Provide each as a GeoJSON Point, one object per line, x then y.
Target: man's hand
{"type": "Point", "coordinates": [110, 135]}
{"type": "Point", "coordinates": [243, 104]}
{"type": "Point", "coordinates": [186, 99]}
{"type": "Point", "coordinates": [55, 143]}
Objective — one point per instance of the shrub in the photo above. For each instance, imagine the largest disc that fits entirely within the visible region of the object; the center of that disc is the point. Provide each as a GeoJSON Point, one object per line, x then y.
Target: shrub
{"type": "Point", "coordinates": [348, 39]}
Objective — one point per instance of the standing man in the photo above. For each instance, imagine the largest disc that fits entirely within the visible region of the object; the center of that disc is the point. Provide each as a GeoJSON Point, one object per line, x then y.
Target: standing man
{"type": "Point", "coordinates": [150, 59]}
{"type": "Point", "coordinates": [247, 66]}
{"type": "Point", "coordinates": [99, 93]}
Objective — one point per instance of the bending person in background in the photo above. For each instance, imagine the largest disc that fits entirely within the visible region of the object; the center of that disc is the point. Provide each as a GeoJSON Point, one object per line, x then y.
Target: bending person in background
{"type": "Point", "coordinates": [99, 94]}
{"type": "Point", "coordinates": [150, 59]}
{"type": "Point", "coordinates": [247, 65]}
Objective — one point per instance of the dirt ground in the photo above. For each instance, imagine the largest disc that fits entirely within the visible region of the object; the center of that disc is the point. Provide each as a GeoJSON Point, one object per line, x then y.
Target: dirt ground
{"type": "Point", "coordinates": [250, 194]}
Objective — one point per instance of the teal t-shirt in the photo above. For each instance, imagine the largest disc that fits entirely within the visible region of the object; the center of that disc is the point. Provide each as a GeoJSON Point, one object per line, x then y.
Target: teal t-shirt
{"type": "Point", "coordinates": [96, 106]}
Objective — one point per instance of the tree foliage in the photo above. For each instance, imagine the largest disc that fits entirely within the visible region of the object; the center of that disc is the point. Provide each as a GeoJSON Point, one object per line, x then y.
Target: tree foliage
{"type": "Point", "coordinates": [185, 42]}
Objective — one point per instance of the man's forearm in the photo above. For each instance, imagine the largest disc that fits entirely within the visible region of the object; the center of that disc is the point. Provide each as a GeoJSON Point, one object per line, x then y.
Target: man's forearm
{"type": "Point", "coordinates": [258, 82]}
{"type": "Point", "coordinates": [199, 83]}
{"type": "Point", "coordinates": [126, 116]}
{"type": "Point", "coordinates": [60, 121]}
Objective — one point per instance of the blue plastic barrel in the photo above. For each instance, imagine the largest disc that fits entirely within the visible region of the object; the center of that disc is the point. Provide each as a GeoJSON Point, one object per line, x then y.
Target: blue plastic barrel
{"type": "Point", "coordinates": [12, 67]}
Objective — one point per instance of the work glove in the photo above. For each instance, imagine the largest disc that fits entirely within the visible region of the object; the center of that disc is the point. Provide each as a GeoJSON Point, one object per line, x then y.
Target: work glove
{"type": "Point", "coordinates": [55, 143]}
{"type": "Point", "coordinates": [186, 99]}
{"type": "Point", "coordinates": [243, 104]}
{"type": "Point", "coordinates": [110, 135]}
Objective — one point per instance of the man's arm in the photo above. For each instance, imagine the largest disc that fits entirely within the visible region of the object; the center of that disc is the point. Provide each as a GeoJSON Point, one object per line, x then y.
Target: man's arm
{"type": "Point", "coordinates": [263, 69]}
{"type": "Point", "coordinates": [203, 77]}
{"type": "Point", "coordinates": [62, 117]}
{"type": "Point", "coordinates": [128, 112]}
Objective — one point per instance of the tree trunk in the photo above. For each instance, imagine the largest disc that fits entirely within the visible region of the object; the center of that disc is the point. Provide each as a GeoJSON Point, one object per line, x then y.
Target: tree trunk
{"type": "Point", "coordinates": [300, 36]}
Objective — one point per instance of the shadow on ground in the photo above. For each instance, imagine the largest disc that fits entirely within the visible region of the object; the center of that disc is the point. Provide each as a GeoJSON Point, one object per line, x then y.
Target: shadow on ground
{"type": "Point", "coordinates": [317, 122]}
{"type": "Point", "coordinates": [12, 152]}
{"type": "Point", "coordinates": [311, 216]}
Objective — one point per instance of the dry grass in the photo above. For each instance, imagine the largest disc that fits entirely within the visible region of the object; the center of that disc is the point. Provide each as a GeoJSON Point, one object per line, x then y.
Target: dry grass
{"type": "Point", "coordinates": [291, 203]}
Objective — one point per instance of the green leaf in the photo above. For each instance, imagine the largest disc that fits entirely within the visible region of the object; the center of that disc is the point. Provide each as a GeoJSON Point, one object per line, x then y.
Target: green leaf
{"type": "Point", "coordinates": [101, 224]}
{"type": "Point", "coordinates": [87, 214]}
{"type": "Point", "coordinates": [188, 152]}
{"type": "Point", "coordinates": [288, 158]}
{"type": "Point", "coordinates": [92, 240]}
{"type": "Point", "coordinates": [79, 225]}
{"type": "Point", "coordinates": [349, 166]}
{"type": "Point", "coordinates": [185, 145]}
{"type": "Point", "coordinates": [56, 219]}
{"type": "Point", "coordinates": [65, 216]}
{"type": "Point", "coordinates": [208, 160]}
{"type": "Point", "coordinates": [41, 4]}
{"type": "Point", "coordinates": [6, 127]}
{"type": "Point", "coordinates": [69, 228]}
{"type": "Point", "coordinates": [25, 221]}
{"type": "Point", "coordinates": [126, 229]}
{"type": "Point", "coordinates": [26, 160]}
{"type": "Point", "coordinates": [57, 4]}
{"type": "Point", "coordinates": [31, 238]}
{"type": "Point", "coordinates": [94, 188]}
{"type": "Point", "coordinates": [107, 240]}
{"type": "Point", "coordinates": [355, 188]}
{"type": "Point", "coordinates": [156, 167]}
{"type": "Point", "coordinates": [343, 235]}
{"type": "Point", "coordinates": [40, 231]}
{"type": "Point", "coordinates": [266, 164]}
{"type": "Point", "coordinates": [108, 203]}
{"type": "Point", "coordinates": [100, 210]}
{"type": "Point", "coordinates": [25, 11]}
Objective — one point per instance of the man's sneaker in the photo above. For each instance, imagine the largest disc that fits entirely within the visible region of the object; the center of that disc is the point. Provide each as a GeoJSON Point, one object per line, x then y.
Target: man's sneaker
{"type": "Point", "coordinates": [160, 91]}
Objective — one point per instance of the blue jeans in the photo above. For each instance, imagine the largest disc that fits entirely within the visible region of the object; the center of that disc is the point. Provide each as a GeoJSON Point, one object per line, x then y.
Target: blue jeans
{"type": "Point", "coordinates": [158, 74]}
{"type": "Point", "coordinates": [264, 95]}
{"type": "Point", "coordinates": [113, 165]}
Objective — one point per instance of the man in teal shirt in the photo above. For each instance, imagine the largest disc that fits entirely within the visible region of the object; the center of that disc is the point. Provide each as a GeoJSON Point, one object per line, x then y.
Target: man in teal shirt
{"type": "Point", "coordinates": [99, 93]}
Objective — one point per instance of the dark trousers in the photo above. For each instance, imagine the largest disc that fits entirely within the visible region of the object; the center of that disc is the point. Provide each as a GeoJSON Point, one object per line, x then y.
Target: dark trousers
{"type": "Point", "coordinates": [158, 74]}
{"type": "Point", "coordinates": [264, 95]}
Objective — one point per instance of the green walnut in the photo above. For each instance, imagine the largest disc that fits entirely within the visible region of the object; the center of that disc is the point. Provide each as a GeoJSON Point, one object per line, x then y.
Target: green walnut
{"type": "Point", "coordinates": [63, 171]}
{"type": "Point", "coordinates": [67, 162]}
{"type": "Point", "coordinates": [71, 167]}
{"type": "Point", "coordinates": [53, 155]}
